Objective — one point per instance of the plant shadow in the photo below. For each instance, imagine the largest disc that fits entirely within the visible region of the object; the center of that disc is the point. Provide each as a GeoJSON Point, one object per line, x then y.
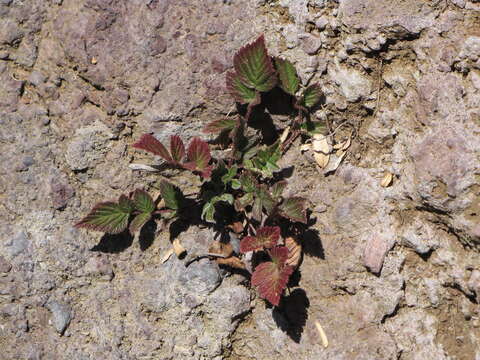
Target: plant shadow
{"type": "Point", "coordinates": [292, 313]}
{"type": "Point", "coordinates": [147, 235]}
{"type": "Point", "coordinates": [114, 244]}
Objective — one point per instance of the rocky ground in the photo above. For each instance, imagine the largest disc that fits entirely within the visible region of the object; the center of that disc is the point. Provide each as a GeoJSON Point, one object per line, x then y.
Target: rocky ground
{"type": "Point", "coordinates": [388, 272]}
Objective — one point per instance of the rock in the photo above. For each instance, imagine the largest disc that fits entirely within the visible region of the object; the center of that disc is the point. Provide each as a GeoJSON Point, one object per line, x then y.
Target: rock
{"type": "Point", "coordinates": [5, 266]}
{"type": "Point", "coordinates": [375, 253]}
{"type": "Point", "coordinates": [19, 244]}
{"type": "Point", "coordinates": [353, 85]}
{"type": "Point", "coordinates": [61, 315]}
{"type": "Point", "coordinates": [310, 43]}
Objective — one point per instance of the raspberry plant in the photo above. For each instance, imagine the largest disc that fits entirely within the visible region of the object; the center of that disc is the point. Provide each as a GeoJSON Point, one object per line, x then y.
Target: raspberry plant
{"type": "Point", "coordinates": [242, 189]}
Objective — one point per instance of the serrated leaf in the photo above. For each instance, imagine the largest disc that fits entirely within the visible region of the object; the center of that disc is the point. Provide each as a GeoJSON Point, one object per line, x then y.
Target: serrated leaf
{"type": "Point", "coordinates": [198, 158]}
{"type": "Point", "coordinates": [249, 184]}
{"type": "Point", "coordinates": [271, 277]}
{"type": "Point", "coordinates": [236, 184]}
{"type": "Point", "coordinates": [278, 188]}
{"type": "Point", "coordinates": [172, 195]}
{"type": "Point", "coordinates": [208, 211]}
{"type": "Point", "coordinates": [294, 209]}
{"type": "Point", "coordinates": [142, 201]}
{"type": "Point", "coordinates": [149, 143]}
{"type": "Point", "coordinates": [312, 95]}
{"type": "Point", "coordinates": [266, 199]}
{"type": "Point", "coordinates": [242, 202]}
{"type": "Point", "coordinates": [109, 217]}
{"type": "Point", "coordinates": [254, 67]}
{"type": "Point", "coordinates": [231, 172]}
{"type": "Point", "coordinates": [139, 220]}
{"type": "Point", "coordinates": [217, 126]}
{"type": "Point", "coordinates": [266, 238]}
{"type": "Point", "coordinates": [287, 74]}
{"type": "Point", "coordinates": [239, 91]}
{"type": "Point", "coordinates": [177, 148]}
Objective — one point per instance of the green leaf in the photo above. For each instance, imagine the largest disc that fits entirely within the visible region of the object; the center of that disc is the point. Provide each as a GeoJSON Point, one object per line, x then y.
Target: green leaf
{"type": "Point", "coordinates": [287, 74]}
{"type": "Point", "coordinates": [242, 202]}
{"type": "Point", "coordinates": [208, 212]}
{"type": "Point", "coordinates": [277, 189]}
{"type": "Point", "coordinates": [294, 209]}
{"type": "Point", "coordinates": [109, 217]}
{"type": "Point", "coordinates": [249, 184]}
{"type": "Point", "coordinates": [143, 202]}
{"type": "Point", "coordinates": [236, 184]}
{"type": "Point", "coordinates": [239, 91]}
{"type": "Point", "coordinates": [265, 162]}
{"type": "Point", "coordinates": [266, 199]}
{"type": "Point", "coordinates": [172, 195]}
{"type": "Point", "coordinates": [139, 220]}
{"type": "Point", "coordinates": [218, 126]}
{"type": "Point", "coordinates": [314, 127]}
{"type": "Point", "coordinates": [228, 177]}
{"type": "Point", "coordinates": [254, 67]}
{"type": "Point", "coordinates": [312, 96]}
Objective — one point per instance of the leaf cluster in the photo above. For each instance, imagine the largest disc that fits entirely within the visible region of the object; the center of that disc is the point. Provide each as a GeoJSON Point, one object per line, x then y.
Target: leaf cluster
{"type": "Point", "coordinates": [241, 190]}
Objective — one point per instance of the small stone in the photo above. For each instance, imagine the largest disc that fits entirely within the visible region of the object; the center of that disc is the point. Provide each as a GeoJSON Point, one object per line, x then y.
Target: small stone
{"type": "Point", "coordinates": [321, 23]}
{"type": "Point", "coordinates": [375, 253]}
{"type": "Point", "coordinates": [61, 315]}
{"type": "Point", "coordinates": [19, 243]}
{"type": "Point", "coordinates": [61, 192]}
{"type": "Point", "coordinates": [5, 266]}
{"type": "Point", "coordinates": [36, 78]}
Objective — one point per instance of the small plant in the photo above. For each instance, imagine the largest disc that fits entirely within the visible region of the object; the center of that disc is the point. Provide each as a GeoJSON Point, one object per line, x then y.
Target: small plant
{"type": "Point", "coordinates": [242, 191]}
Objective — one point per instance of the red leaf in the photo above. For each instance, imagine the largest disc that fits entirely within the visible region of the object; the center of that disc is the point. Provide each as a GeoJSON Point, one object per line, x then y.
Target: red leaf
{"type": "Point", "coordinates": [271, 277]}
{"type": "Point", "coordinates": [177, 148]}
{"type": "Point", "coordinates": [148, 143]}
{"type": "Point", "coordinates": [239, 91]}
{"type": "Point", "coordinates": [267, 237]}
{"type": "Point", "coordinates": [198, 158]}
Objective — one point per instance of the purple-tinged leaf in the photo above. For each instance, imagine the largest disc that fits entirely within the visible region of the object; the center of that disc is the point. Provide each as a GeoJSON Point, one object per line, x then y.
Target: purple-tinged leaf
{"type": "Point", "coordinates": [109, 217]}
{"type": "Point", "coordinates": [271, 277]}
{"type": "Point", "coordinates": [239, 91]}
{"type": "Point", "coordinates": [242, 202]}
{"type": "Point", "coordinates": [142, 201]}
{"type": "Point", "coordinates": [149, 143]}
{"type": "Point", "coordinates": [312, 96]}
{"type": "Point", "coordinates": [177, 148]}
{"type": "Point", "coordinates": [139, 220]}
{"type": "Point", "coordinates": [218, 126]}
{"type": "Point", "coordinates": [254, 67]}
{"type": "Point", "coordinates": [294, 209]}
{"type": "Point", "coordinates": [287, 74]}
{"type": "Point", "coordinates": [198, 156]}
{"type": "Point", "coordinates": [266, 238]}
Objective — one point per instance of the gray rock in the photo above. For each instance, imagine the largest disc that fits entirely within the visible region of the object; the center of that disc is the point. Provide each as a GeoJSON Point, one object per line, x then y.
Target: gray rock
{"type": "Point", "coordinates": [61, 315]}
{"type": "Point", "coordinates": [353, 85]}
{"type": "Point", "coordinates": [18, 244]}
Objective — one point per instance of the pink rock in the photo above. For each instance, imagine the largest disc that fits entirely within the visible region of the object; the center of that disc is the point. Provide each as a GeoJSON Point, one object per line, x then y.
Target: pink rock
{"type": "Point", "coordinates": [375, 253]}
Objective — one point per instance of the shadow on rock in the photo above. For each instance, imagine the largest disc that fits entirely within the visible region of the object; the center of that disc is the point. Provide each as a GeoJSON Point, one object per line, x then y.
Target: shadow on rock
{"type": "Point", "coordinates": [114, 243]}
{"type": "Point", "coordinates": [291, 316]}
{"type": "Point", "coordinates": [147, 235]}
{"type": "Point", "coordinates": [312, 245]}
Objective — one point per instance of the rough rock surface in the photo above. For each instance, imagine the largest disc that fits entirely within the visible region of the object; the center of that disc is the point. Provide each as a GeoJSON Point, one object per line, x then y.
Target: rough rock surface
{"type": "Point", "coordinates": [389, 273]}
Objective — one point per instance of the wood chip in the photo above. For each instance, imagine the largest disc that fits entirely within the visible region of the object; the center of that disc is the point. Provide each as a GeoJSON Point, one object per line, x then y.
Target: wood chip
{"type": "Point", "coordinates": [94, 60]}
{"type": "Point", "coordinates": [167, 255]}
{"type": "Point", "coordinates": [294, 251]}
{"type": "Point", "coordinates": [320, 144]}
{"type": "Point", "coordinates": [178, 248]}
{"type": "Point", "coordinates": [344, 145]}
{"type": "Point", "coordinates": [284, 135]}
{"type": "Point", "coordinates": [232, 261]}
{"type": "Point", "coordinates": [321, 333]}
{"type": "Point", "coordinates": [143, 167]}
{"type": "Point", "coordinates": [334, 163]}
{"type": "Point", "coordinates": [305, 147]}
{"type": "Point", "coordinates": [224, 249]}
{"type": "Point", "coordinates": [387, 180]}
{"type": "Point", "coordinates": [321, 159]}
